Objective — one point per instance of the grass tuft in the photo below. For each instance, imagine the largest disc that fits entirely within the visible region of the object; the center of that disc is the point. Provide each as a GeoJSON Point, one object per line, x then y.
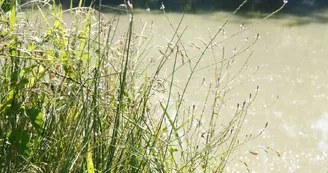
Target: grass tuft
{"type": "Point", "coordinates": [74, 97]}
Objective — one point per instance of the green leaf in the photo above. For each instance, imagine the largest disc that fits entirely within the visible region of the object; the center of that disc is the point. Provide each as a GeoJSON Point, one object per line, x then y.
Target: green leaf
{"type": "Point", "coordinates": [27, 70]}
{"type": "Point", "coordinates": [10, 96]}
{"type": "Point", "coordinates": [1, 2]}
{"type": "Point", "coordinates": [5, 6]}
{"type": "Point", "coordinates": [12, 15]}
{"type": "Point", "coordinates": [36, 117]}
{"type": "Point", "coordinates": [22, 83]}
{"type": "Point", "coordinates": [1, 108]}
{"type": "Point", "coordinates": [90, 166]}
{"type": "Point", "coordinates": [31, 47]}
{"type": "Point", "coordinates": [20, 140]}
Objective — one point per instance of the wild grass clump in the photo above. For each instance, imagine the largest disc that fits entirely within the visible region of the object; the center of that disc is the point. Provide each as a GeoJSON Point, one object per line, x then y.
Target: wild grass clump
{"type": "Point", "coordinates": [75, 98]}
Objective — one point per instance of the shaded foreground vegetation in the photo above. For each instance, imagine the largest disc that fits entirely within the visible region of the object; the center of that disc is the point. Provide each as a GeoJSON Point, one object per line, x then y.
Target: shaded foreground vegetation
{"type": "Point", "coordinates": [72, 99]}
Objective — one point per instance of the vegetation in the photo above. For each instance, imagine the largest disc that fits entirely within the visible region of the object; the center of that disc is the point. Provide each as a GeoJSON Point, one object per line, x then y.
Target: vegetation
{"type": "Point", "coordinates": [72, 99]}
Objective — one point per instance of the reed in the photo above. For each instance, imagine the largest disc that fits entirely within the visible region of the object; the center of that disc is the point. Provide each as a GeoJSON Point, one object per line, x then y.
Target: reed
{"type": "Point", "coordinates": [76, 98]}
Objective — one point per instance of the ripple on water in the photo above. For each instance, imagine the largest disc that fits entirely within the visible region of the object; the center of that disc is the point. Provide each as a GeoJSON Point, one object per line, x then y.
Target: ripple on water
{"type": "Point", "coordinates": [321, 126]}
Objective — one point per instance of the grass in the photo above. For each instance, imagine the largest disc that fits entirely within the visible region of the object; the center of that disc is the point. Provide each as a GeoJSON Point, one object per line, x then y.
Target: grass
{"type": "Point", "coordinates": [75, 98]}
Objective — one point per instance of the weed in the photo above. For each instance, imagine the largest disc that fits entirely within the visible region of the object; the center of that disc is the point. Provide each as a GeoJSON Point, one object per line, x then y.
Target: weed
{"type": "Point", "coordinates": [76, 98]}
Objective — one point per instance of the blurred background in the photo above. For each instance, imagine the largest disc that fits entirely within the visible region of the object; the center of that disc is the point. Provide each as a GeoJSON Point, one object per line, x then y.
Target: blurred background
{"type": "Point", "coordinates": [295, 6]}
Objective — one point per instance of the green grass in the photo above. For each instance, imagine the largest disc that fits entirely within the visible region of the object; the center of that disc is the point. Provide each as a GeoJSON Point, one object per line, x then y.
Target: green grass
{"type": "Point", "coordinates": [72, 101]}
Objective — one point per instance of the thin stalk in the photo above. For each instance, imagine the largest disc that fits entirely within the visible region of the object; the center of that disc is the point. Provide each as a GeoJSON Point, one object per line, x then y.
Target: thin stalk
{"type": "Point", "coordinates": [112, 147]}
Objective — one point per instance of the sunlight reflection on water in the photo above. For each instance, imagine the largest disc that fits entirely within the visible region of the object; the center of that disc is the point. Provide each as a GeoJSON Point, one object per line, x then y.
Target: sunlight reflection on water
{"type": "Point", "coordinates": [322, 126]}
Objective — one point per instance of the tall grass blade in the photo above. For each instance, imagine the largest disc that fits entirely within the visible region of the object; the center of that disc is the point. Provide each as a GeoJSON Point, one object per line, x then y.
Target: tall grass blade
{"type": "Point", "coordinates": [12, 15]}
{"type": "Point", "coordinates": [90, 165]}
